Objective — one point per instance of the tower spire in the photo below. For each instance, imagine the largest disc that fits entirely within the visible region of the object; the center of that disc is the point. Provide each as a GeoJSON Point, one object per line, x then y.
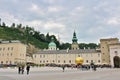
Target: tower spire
{"type": "Point", "coordinates": [74, 39]}
{"type": "Point", "coordinates": [74, 45]}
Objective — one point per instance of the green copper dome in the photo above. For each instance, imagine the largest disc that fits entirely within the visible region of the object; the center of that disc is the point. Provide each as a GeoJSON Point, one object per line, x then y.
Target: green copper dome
{"type": "Point", "coordinates": [52, 44]}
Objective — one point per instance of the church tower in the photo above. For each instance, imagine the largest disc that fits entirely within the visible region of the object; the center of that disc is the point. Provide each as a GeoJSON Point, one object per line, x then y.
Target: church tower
{"type": "Point", "coordinates": [74, 45]}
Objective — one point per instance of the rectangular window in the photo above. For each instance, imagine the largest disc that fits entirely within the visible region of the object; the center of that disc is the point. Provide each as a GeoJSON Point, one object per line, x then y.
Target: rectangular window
{"type": "Point", "coordinates": [11, 54]}
{"type": "Point", "coordinates": [8, 48]}
{"type": "Point", "coordinates": [40, 61]}
{"type": "Point", "coordinates": [91, 60]}
{"type": "Point", "coordinates": [43, 61]}
{"type": "Point", "coordinates": [44, 56]}
{"type": "Point", "coordinates": [53, 61]}
{"type": "Point", "coordinates": [64, 61]}
{"type": "Point", "coordinates": [1, 62]}
{"type": "Point", "coordinates": [11, 48]}
{"type": "Point", "coordinates": [58, 61]}
{"type": "Point", "coordinates": [103, 59]}
{"type": "Point", "coordinates": [6, 62]}
{"type": "Point", "coordinates": [69, 61]}
{"type": "Point", "coordinates": [10, 62]}
{"type": "Point", "coordinates": [35, 56]}
{"type": "Point", "coordinates": [40, 56]}
{"type": "Point", "coordinates": [86, 61]}
{"type": "Point", "coordinates": [3, 49]}
{"type": "Point", "coordinates": [98, 55]}
{"type": "Point", "coordinates": [7, 54]}
{"type": "Point", "coordinates": [98, 61]}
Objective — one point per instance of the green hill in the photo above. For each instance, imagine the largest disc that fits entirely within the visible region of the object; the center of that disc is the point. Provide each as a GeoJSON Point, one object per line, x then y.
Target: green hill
{"type": "Point", "coordinates": [22, 34]}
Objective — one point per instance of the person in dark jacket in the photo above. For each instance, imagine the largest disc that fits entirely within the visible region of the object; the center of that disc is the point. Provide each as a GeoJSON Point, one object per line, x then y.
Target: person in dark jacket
{"type": "Point", "coordinates": [28, 69]}
{"type": "Point", "coordinates": [19, 69]}
{"type": "Point", "coordinates": [63, 67]}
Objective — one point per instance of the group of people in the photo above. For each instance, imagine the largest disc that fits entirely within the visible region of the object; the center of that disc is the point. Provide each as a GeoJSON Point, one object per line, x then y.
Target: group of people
{"type": "Point", "coordinates": [21, 69]}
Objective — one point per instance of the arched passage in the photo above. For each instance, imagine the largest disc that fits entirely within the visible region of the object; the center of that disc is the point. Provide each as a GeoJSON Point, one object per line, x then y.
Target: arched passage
{"type": "Point", "coordinates": [116, 60]}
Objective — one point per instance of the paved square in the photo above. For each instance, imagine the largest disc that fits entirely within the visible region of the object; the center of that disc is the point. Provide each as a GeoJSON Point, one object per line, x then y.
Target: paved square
{"type": "Point", "coordinates": [49, 73]}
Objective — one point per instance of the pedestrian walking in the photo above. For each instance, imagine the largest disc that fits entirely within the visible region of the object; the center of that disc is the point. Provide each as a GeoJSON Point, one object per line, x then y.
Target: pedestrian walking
{"type": "Point", "coordinates": [28, 69]}
{"type": "Point", "coordinates": [22, 69]}
{"type": "Point", "coordinates": [63, 67]}
{"type": "Point", "coordinates": [19, 69]}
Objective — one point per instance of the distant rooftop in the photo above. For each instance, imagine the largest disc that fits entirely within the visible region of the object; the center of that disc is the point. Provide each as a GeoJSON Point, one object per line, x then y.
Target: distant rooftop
{"type": "Point", "coordinates": [109, 39]}
{"type": "Point", "coordinates": [67, 51]}
{"type": "Point", "coordinates": [10, 41]}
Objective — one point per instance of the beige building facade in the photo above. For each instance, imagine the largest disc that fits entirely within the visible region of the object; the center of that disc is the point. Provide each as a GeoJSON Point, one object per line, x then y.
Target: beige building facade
{"type": "Point", "coordinates": [67, 56]}
{"type": "Point", "coordinates": [12, 52]}
{"type": "Point", "coordinates": [105, 50]}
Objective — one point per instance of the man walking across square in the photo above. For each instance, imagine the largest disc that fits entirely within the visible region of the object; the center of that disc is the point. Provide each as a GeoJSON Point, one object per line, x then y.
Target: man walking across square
{"type": "Point", "coordinates": [28, 69]}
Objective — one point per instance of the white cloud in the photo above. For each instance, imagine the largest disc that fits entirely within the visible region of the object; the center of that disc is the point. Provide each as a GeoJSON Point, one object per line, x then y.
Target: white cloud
{"type": "Point", "coordinates": [53, 25]}
{"type": "Point", "coordinates": [8, 18]}
{"type": "Point", "coordinates": [113, 21]}
{"type": "Point", "coordinates": [79, 10]}
{"type": "Point", "coordinates": [51, 1]}
{"type": "Point", "coordinates": [36, 9]}
{"type": "Point", "coordinates": [54, 9]}
{"type": "Point", "coordinates": [34, 23]}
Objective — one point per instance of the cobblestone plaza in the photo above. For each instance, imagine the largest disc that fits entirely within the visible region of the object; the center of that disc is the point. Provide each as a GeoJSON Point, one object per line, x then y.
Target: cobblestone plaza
{"type": "Point", "coordinates": [53, 73]}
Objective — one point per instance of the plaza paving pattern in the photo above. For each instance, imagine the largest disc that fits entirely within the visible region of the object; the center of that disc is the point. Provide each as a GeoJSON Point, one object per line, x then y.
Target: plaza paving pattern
{"type": "Point", "coordinates": [53, 73]}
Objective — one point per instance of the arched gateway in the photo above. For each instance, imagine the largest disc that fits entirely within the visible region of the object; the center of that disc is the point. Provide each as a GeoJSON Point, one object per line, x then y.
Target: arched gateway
{"type": "Point", "coordinates": [116, 61]}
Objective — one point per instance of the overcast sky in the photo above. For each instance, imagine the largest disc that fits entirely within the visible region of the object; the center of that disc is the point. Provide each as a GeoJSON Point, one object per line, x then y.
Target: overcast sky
{"type": "Point", "coordinates": [91, 19]}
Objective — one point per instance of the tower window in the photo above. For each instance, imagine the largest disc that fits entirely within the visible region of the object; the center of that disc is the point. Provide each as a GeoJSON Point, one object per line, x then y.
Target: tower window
{"type": "Point", "coordinates": [116, 52]}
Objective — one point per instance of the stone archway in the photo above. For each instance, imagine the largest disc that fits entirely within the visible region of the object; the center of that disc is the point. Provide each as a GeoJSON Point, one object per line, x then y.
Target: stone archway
{"type": "Point", "coordinates": [116, 61]}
